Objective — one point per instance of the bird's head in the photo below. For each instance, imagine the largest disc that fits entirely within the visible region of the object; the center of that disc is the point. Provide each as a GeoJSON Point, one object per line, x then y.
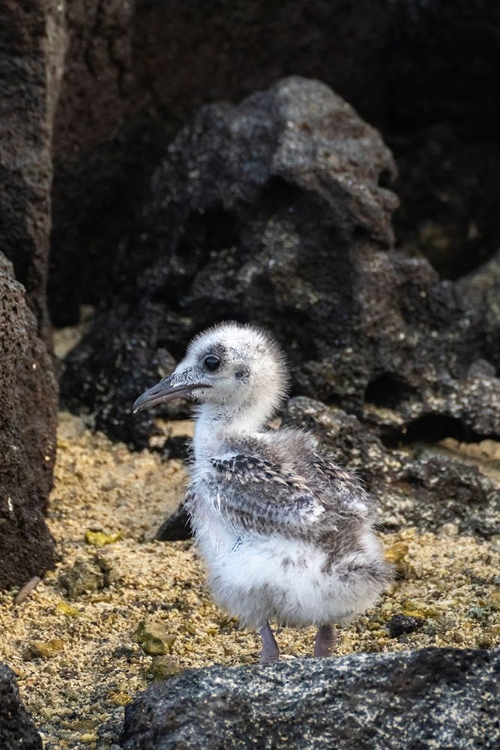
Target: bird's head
{"type": "Point", "coordinates": [239, 367]}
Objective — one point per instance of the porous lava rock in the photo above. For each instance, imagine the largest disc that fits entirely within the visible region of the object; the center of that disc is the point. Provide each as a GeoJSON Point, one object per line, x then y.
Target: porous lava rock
{"type": "Point", "coordinates": [273, 212]}
{"type": "Point", "coordinates": [28, 394]}
{"type": "Point", "coordinates": [135, 72]}
{"type": "Point", "coordinates": [424, 73]}
{"type": "Point", "coordinates": [442, 697]}
{"type": "Point", "coordinates": [32, 48]}
{"type": "Point", "coordinates": [256, 214]}
{"type": "Point", "coordinates": [426, 486]}
{"type": "Point", "coordinates": [16, 727]}
{"type": "Point", "coordinates": [426, 483]}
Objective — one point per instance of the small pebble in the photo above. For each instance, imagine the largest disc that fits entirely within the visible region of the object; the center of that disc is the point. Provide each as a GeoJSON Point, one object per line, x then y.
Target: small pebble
{"type": "Point", "coordinates": [399, 624]}
{"type": "Point", "coordinates": [100, 539]}
{"type": "Point", "coordinates": [396, 554]}
{"type": "Point", "coordinates": [88, 738]}
{"type": "Point", "coordinates": [45, 649]}
{"type": "Point", "coordinates": [84, 577]}
{"type": "Point", "coordinates": [120, 698]}
{"type": "Point", "coordinates": [164, 667]}
{"type": "Point", "coordinates": [27, 589]}
{"type": "Point", "coordinates": [154, 638]}
{"type": "Point", "coordinates": [67, 610]}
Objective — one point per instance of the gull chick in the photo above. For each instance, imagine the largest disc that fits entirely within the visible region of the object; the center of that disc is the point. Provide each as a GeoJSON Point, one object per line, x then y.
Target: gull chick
{"type": "Point", "coordinates": [286, 535]}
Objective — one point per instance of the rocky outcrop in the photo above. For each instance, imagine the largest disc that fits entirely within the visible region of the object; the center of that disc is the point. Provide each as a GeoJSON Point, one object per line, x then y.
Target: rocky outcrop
{"type": "Point", "coordinates": [446, 697]}
{"type": "Point", "coordinates": [256, 214]}
{"type": "Point", "coordinates": [104, 146]}
{"type": "Point", "coordinates": [424, 73]}
{"type": "Point", "coordinates": [28, 394]}
{"type": "Point", "coordinates": [16, 727]}
{"type": "Point", "coordinates": [32, 48]}
{"type": "Point", "coordinates": [121, 105]}
{"type": "Point", "coordinates": [273, 212]}
{"type": "Point", "coordinates": [424, 486]}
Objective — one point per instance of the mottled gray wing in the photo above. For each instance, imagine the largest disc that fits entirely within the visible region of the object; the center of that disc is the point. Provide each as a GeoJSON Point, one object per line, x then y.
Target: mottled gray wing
{"type": "Point", "coordinates": [255, 495]}
{"type": "Point", "coordinates": [342, 488]}
{"type": "Point", "coordinates": [342, 482]}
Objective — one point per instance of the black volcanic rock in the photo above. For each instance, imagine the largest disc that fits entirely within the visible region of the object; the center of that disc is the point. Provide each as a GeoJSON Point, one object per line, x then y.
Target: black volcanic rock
{"type": "Point", "coordinates": [401, 624]}
{"type": "Point", "coordinates": [424, 73]}
{"type": "Point", "coordinates": [272, 212]}
{"type": "Point", "coordinates": [256, 214]}
{"type": "Point", "coordinates": [32, 49]}
{"type": "Point", "coordinates": [426, 487]}
{"type": "Point", "coordinates": [442, 697]}
{"type": "Point", "coordinates": [135, 72]}
{"type": "Point", "coordinates": [28, 417]}
{"type": "Point", "coordinates": [16, 727]}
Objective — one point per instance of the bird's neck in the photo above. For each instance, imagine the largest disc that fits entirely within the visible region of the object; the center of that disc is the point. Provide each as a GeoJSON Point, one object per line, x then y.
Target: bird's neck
{"type": "Point", "coordinates": [215, 424]}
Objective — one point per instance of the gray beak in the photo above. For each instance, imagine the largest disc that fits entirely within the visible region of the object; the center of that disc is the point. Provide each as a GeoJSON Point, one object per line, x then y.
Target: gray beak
{"type": "Point", "coordinates": [165, 391]}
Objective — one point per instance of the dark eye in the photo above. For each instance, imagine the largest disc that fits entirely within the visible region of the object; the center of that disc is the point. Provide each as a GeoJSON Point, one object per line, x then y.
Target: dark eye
{"type": "Point", "coordinates": [211, 362]}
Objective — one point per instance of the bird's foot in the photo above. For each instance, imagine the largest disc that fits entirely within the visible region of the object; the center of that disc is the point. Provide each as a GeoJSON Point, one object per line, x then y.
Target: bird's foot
{"type": "Point", "coordinates": [270, 651]}
{"type": "Point", "coordinates": [325, 640]}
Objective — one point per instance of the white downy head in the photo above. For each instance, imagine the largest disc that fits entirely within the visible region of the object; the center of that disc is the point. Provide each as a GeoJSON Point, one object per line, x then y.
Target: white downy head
{"type": "Point", "coordinates": [237, 373]}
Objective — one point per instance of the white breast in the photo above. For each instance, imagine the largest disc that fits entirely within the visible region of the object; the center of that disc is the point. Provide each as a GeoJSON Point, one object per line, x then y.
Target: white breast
{"type": "Point", "coordinates": [261, 577]}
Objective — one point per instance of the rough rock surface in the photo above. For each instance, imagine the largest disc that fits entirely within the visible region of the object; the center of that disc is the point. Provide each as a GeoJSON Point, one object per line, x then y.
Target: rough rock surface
{"type": "Point", "coordinates": [482, 290]}
{"type": "Point", "coordinates": [16, 727]}
{"type": "Point", "coordinates": [32, 47]}
{"type": "Point", "coordinates": [104, 144]}
{"type": "Point", "coordinates": [425, 73]}
{"type": "Point", "coordinates": [420, 487]}
{"type": "Point", "coordinates": [256, 214]}
{"type": "Point", "coordinates": [272, 212]}
{"type": "Point", "coordinates": [121, 104]}
{"type": "Point", "coordinates": [28, 394]}
{"type": "Point", "coordinates": [441, 697]}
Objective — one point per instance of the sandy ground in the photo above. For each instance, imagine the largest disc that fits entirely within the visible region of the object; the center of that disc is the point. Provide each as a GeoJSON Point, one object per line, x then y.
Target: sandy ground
{"type": "Point", "coordinates": [76, 655]}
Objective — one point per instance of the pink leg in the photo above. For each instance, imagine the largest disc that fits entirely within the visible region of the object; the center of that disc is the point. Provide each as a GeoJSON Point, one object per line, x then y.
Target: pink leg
{"type": "Point", "coordinates": [270, 651]}
{"type": "Point", "coordinates": [325, 640]}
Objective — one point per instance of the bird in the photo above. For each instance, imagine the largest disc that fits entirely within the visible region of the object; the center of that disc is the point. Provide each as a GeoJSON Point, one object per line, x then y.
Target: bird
{"type": "Point", "coordinates": [286, 535]}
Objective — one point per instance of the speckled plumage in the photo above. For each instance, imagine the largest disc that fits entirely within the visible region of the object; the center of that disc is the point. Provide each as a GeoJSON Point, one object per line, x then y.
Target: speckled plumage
{"type": "Point", "coordinates": [285, 534]}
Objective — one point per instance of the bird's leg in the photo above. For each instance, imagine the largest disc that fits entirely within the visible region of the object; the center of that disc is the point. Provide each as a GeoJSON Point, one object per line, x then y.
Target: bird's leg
{"type": "Point", "coordinates": [270, 651]}
{"type": "Point", "coordinates": [325, 640]}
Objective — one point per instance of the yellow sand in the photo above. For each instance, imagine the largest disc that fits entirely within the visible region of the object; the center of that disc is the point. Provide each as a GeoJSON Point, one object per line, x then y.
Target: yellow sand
{"type": "Point", "coordinates": [77, 661]}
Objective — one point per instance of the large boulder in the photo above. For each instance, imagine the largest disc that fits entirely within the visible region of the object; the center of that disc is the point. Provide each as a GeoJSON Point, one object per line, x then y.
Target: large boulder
{"type": "Point", "coordinates": [16, 727]}
{"type": "Point", "coordinates": [424, 73]}
{"type": "Point", "coordinates": [433, 697]}
{"type": "Point", "coordinates": [121, 103]}
{"type": "Point", "coordinates": [257, 213]}
{"type": "Point", "coordinates": [32, 49]}
{"type": "Point", "coordinates": [28, 416]}
{"type": "Point", "coordinates": [273, 212]}
{"type": "Point", "coordinates": [426, 487]}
